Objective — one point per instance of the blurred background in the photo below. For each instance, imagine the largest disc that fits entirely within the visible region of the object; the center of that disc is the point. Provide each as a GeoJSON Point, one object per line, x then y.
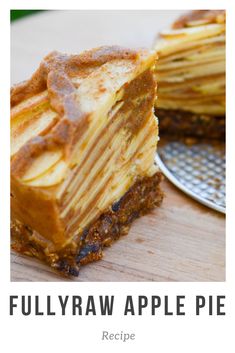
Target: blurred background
{"type": "Point", "coordinates": [17, 14]}
{"type": "Point", "coordinates": [36, 33]}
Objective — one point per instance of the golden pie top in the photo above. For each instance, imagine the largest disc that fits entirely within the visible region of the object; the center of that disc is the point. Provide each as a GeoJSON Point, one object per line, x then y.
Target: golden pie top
{"type": "Point", "coordinates": [200, 17]}
{"type": "Point", "coordinates": [191, 65]}
{"type": "Point", "coordinates": [82, 132]}
{"type": "Point", "coordinates": [73, 87]}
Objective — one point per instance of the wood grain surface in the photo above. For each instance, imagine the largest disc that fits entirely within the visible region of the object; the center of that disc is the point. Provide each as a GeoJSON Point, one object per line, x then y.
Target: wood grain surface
{"type": "Point", "coordinates": [180, 241]}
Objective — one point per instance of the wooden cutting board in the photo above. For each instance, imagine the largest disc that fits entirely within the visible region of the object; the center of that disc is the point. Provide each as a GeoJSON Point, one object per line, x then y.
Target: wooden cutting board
{"type": "Point", "coordinates": [180, 241]}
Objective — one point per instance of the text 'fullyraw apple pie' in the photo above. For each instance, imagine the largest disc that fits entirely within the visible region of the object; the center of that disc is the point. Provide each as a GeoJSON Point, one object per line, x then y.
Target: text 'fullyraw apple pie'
{"type": "Point", "coordinates": [83, 141]}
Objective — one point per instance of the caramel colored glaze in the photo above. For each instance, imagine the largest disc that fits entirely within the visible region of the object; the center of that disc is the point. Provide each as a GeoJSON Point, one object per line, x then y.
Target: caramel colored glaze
{"type": "Point", "coordinates": [68, 65]}
{"type": "Point", "coordinates": [99, 136]}
{"type": "Point", "coordinates": [80, 216]}
{"type": "Point", "coordinates": [26, 210]}
{"type": "Point", "coordinates": [54, 74]}
{"type": "Point", "coordinates": [210, 16]}
{"type": "Point", "coordinates": [143, 196]}
{"type": "Point", "coordinates": [142, 88]}
{"type": "Point", "coordinates": [63, 135]}
{"type": "Point", "coordinates": [81, 165]}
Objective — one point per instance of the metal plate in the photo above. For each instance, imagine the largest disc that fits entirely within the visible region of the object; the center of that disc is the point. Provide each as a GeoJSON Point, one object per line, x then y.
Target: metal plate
{"type": "Point", "coordinates": [198, 170]}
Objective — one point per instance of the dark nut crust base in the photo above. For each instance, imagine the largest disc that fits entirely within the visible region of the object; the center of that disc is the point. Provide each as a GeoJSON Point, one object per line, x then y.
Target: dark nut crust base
{"type": "Point", "coordinates": [182, 123]}
{"type": "Point", "coordinates": [142, 197]}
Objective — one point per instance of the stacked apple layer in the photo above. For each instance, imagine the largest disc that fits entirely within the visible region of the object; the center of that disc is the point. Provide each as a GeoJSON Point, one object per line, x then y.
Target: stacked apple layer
{"type": "Point", "coordinates": [191, 66]}
{"type": "Point", "coordinates": [58, 194]}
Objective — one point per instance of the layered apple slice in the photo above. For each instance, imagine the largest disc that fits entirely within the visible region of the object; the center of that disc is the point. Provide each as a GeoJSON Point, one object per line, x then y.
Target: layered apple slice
{"type": "Point", "coordinates": [83, 141]}
{"type": "Point", "coordinates": [191, 75]}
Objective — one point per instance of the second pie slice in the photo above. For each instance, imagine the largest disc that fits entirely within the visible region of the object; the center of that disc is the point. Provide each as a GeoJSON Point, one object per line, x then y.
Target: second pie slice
{"type": "Point", "coordinates": [191, 76]}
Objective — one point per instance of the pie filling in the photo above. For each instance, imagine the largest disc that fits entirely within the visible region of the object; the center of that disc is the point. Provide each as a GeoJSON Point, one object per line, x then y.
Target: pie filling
{"type": "Point", "coordinates": [191, 71]}
{"type": "Point", "coordinates": [88, 245]}
{"type": "Point", "coordinates": [83, 137]}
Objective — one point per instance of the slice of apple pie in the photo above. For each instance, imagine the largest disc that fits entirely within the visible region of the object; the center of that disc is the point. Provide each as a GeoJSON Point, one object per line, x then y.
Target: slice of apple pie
{"type": "Point", "coordinates": [191, 75]}
{"type": "Point", "coordinates": [83, 141]}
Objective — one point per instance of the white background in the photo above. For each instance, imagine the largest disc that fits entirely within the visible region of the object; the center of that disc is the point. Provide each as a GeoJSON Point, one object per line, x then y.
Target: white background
{"type": "Point", "coordinates": [157, 334]}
